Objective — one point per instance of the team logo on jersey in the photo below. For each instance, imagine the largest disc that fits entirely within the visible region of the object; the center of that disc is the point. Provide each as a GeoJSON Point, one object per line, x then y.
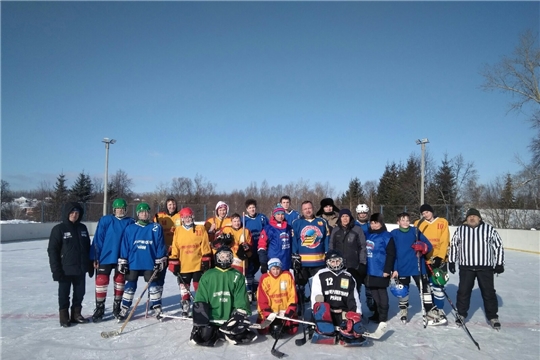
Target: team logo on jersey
{"type": "Point", "coordinates": [344, 284]}
{"type": "Point", "coordinates": [320, 223]}
{"type": "Point", "coordinates": [283, 285]}
{"type": "Point", "coordinates": [311, 236]}
{"type": "Point", "coordinates": [370, 245]}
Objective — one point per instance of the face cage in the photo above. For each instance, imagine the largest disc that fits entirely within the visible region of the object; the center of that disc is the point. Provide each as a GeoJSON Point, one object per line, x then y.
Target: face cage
{"type": "Point", "coordinates": [224, 259]}
{"type": "Point", "coordinates": [339, 266]}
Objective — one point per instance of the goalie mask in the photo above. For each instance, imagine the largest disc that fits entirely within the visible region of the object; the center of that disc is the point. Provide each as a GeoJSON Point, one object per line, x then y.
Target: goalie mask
{"type": "Point", "coordinates": [439, 277]}
{"type": "Point", "coordinates": [334, 260]}
{"type": "Point", "coordinates": [398, 289]}
{"type": "Point", "coordinates": [224, 257]}
{"type": "Point", "coordinates": [224, 239]}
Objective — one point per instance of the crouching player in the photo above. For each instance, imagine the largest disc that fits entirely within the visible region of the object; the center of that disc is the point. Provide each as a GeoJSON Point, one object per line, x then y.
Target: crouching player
{"type": "Point", "coordinates": [277, 294]}
{"type": "Point", "coordinates": [221, 309]}
{"type": "Point", "coordinates": [336, 306]}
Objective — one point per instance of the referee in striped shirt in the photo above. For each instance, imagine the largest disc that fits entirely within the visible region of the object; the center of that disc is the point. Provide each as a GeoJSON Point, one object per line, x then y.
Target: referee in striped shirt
{"type": "Point", "coordinates": [478, 248]}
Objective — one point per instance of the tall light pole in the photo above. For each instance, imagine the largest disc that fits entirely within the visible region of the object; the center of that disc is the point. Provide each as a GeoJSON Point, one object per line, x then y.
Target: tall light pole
{"type": "Point", "coordinates": [107, 141]}
{"type": "Point", "coordinates": [422, 142]}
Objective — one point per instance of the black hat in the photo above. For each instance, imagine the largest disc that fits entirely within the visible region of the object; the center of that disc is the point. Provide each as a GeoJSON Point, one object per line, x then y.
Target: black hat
{"type": "Point", "coordinates": [327, 202]}
{"type": "Point", "coordinates": [473, 211]}
{"type": "Point", "coordinates": [426, 207]}
{"type": "Point", "coordinates": [378, 217]}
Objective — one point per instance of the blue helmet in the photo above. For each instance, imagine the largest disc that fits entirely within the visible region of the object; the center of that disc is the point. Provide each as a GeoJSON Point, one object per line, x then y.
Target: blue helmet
{"type": "Point", "coordinates": [398, 289]}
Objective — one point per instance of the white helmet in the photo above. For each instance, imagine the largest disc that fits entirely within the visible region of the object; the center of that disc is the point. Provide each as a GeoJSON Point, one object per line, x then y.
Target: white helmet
{"type": "Point", "coordinates": [362, 208]}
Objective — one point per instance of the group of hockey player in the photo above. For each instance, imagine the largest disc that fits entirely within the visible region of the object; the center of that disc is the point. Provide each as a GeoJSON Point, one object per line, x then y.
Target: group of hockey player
{"type": "Point", "coordinates": [320, 258]}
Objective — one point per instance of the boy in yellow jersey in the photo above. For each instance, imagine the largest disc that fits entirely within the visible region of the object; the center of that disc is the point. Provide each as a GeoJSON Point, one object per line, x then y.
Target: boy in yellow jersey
{"type": "Point", "coordinates": [277, 294]}
{"type": "Point", "coordinates": [168, 220]}
{"type": "Point", "coordinates": [215, 225]}
{"type": "Point", "coordinates": [436, 230]}
{"type": "Point", "coordinates": [190, 256]}
{"type": "Point", "coordinates": [240, 244]}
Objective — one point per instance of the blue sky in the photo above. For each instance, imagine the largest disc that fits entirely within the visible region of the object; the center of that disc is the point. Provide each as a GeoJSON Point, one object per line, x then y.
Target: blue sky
{"type": "Point", "coordinates": [251, 91]}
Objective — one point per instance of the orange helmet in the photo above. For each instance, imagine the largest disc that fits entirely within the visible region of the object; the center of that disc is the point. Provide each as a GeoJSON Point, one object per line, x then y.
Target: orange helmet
{"type": "Point", "coordinates": [186, 212]}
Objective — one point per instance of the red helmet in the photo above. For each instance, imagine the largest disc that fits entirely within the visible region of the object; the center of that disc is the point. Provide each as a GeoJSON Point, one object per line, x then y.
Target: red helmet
{"type": "Point", "coordinates": [186, 212]}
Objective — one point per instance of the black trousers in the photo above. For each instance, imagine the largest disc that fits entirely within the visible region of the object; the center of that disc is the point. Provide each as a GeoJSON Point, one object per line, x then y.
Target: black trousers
{"type": "Point", "coordinates": [64, 290]}
{"type": "Point", "coordinates": [487, 289]}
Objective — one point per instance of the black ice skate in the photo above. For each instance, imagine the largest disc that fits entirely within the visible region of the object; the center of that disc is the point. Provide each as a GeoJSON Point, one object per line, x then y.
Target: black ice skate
{"type": "Point", "coordinates": [98, 312]}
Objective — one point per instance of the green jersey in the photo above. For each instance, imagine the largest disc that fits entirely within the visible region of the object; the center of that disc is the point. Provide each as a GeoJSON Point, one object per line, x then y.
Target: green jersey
{"type": "Point", "coordinates": [224, 290]}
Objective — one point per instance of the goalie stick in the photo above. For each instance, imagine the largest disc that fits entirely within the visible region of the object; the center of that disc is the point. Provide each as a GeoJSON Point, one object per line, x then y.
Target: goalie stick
{"type": "Point", "coordinates": [376, 335]}
{"type": "Point", "coordinates": [266, 323]}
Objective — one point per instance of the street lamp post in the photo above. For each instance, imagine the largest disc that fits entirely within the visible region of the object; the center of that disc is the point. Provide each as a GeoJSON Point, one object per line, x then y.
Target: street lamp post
{"type": "Point", "coordinates": [107, 141]}
{"type": "Point", "coordinates": [422, 142]}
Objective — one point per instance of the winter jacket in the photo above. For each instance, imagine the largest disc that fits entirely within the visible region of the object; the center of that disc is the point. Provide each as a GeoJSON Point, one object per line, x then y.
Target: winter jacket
{"type": "Point", "coordinates": [351, 243]}
{"type": "Point", "coordinates": [69, 245]}
{"type": "Point", "coordinates": [381, 254]}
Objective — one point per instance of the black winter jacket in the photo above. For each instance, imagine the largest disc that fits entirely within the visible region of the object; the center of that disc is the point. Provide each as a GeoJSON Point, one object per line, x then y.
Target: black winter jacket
{"type": "Point", "coordinates": [69, 245]}
{"type": "Point", "coordinates": [351, 242]}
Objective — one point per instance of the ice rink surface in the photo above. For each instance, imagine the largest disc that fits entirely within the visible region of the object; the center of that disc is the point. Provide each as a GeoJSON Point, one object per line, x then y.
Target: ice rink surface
{"type": "Point", "coordinates": [30, 327]}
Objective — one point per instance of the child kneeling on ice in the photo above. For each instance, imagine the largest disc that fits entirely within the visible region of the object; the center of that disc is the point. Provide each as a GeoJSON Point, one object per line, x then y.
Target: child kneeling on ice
{"type": "Point", "coordinates": [277, 294]}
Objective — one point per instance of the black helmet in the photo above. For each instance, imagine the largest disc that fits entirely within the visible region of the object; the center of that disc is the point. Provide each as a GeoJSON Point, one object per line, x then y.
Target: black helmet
{"type": "Point", "coordinates": [330, 260]}
{"type": "Point", "coordinates": [224, 257]}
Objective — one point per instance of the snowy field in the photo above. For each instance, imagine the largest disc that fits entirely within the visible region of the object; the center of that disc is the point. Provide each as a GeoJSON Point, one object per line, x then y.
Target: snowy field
{"type": "Point", "coordinates": [30, 327]}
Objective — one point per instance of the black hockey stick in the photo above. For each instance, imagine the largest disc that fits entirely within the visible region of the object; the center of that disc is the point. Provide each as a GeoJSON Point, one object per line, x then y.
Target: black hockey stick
{"type": "Point", "coordinates": [303, 340]}
{"type": "Point", "coordinates": [424, 315]}
{"type": "Point", "coordinates": [274, 351]}
{"type": "Point", "coordinates": [456, 314]}
{"type": "Point", "coordinates": [108, 334]}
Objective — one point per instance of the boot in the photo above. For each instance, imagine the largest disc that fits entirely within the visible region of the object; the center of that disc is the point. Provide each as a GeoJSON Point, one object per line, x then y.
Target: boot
{"type": "Point", "coordinates": [98, 312]}
{"type": "Point", "coordinates": [116, 308]}
{"type": "Point", "coordinates": [383, 313]}
{"type": "Point", "coordinates": [76, 316]}
{"type": "Point", "coordinates": [64, 318]}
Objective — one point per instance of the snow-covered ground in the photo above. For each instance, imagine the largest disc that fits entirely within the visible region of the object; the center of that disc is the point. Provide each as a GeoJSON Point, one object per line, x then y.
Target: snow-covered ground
{"type": "Point", "coordinates": [17, 222]}
{"type": "Point", "coordinates": [30, 328]}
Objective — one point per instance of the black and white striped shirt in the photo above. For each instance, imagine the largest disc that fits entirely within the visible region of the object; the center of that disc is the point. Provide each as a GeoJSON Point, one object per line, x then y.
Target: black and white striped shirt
{"type": "Point", "coordinates": [479, 246]}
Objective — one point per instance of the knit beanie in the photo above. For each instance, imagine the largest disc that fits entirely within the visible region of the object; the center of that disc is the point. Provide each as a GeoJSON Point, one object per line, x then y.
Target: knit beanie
{"type": "Point", "coordinates": [274, 262]}
{"type": "Point", "coordinates": [426, 207]}
{"type": "Point", "coordinates": [473, 211]}
{"type": "Point", "coordinates": [278, 209]}
{"type": "Point", "coordinates": [378, 217]}
{"type": "Point", "coordinates": [345, 212]}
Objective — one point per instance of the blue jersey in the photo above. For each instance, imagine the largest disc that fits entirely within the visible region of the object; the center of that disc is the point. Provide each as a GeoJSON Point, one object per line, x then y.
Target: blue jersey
{"type": "Point", "coordinates": [291, 216]}
{"type": "Point", "coordinates": [142, 245]}
{"type": "Point", "coordinates": [406, 263]}
{"type": "Point", "coordinates": [276, 240]}
{"type": "Point", "coordinates": [107, 239]}
{"type": "Point", "coordinates": [365, 227]}
{"type": "Point", "coordinates": [255, 226]}
{"type": "Point", "coordinates": [376, 244]}
{"type": "Point", "coordinates": [310, 241]}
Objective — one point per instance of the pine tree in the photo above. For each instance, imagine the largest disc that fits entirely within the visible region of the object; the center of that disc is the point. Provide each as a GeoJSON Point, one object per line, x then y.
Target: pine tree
{"type": "Point", "coordinates": [354, 195]}
{"type": "Point", "coordinates": [81, 191]}
{"type": "Point", "coordinates": [59, 196]}
{"type": "Point", "coordinates": [443, 191]}
{"type": "Point", "coordinates": [508, 200]}
{"type": "Point", "coordinates": [388, 192]}
{"type": "Point", "coordinates": [409, 183]}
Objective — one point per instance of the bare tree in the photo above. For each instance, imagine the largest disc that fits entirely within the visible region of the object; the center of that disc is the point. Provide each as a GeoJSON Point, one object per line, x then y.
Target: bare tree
{"type": "Point", "coordinates": [120, 186]}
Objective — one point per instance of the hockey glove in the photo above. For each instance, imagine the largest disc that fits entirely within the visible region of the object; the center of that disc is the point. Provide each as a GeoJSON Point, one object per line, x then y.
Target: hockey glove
{"type": "Point", "coordinates": [91, 269]}
{"type": "Point", "coordinates": [159, 264]}
{"type": "Point", "coordinates": [436, 262]}
{"type": "Point", "coordinates": [452, 267]}
{"type": "Point", "coordinates": [206, 262]}
{"type": "Point", "coordinates": [123, 266]}
{"type": "Point", "coordinates": [58, 275]}
{"type": "Point", "coordinates": [420, 247]}
{"type": "Point", "coordinates": [351, 325]}
{"type": "Point", "coordinates": [297, 262]}
{"type": "Point", "coordinates": [243, 251]}
{"type": "Point", "coordinates": [291, 311]}
{"type": "Point", "coordinates": [174, 266]}
{"type": "Point", "coordinates": [237, 324]}
{"type": "Point", "coordinates": [499, 269]}
{"type": "Point", "coordinates": [264, 268]}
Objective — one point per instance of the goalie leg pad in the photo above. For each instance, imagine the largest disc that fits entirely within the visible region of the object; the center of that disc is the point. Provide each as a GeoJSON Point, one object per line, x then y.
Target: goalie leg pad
{"type": "Point", "coordinates": [323, 339]}
{"type": "Point", "coordinates": [323, 318]}
{"type": "Point", "coordinates": [201, 313]}
{"type": "Point", "coordinates": [204, 335]}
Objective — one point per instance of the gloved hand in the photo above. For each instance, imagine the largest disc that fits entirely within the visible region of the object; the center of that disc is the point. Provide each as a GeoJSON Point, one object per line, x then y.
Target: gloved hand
{"type": "Point", "coordinates": [123, 266]}
{"type": "Point", "coordinates": [263, 259]}
{"type": "Point", "coordinates": [264, 268]}
{"type": "Point", "coordinates": [159, 264]}
{"type": "Point", "coordinates": [206, 262]}
{"type": "Point", "coordinates": [362, 270]}
{"type": "Point", "coordinates": [174, 266]}
{"type": "Point", "coordinates": [436, 262]}
{"type": "Point", "coordinates": [58, 275]}
{"type": "Point", "coordinates": [291, 311]}
{"type": "Point", "coordinates": [297, 262]}
{"type": "Point", "coordinates": [452, 267]}
{"type": "Point", "coordinates": [420, 247]}
{"type": "Point", "coordinates": [352, 324]}
{"type": "Point", "coordinates": [237, 324]}
{"type": "Point", "coordinates": [243, 251]}
{"type": "Point", "coordinates": [499, 269]}
{"type": "Point", "coordinates": [91, 269]}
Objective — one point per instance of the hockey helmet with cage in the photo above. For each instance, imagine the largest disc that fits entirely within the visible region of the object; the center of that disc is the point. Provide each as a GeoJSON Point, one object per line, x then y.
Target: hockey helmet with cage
{"type": "Point", "coordinates": [142, 207]}
{"type": "Point", "coordinates": [362, 208]}
{"type": "Point", "coordinates": [224, 257]}
{"type": "Point", "coordinates": [334, 260]}
{"type": "Point", "coordinates": [398, 289]}
{"type": "Point", "coordinates": [439, 277]}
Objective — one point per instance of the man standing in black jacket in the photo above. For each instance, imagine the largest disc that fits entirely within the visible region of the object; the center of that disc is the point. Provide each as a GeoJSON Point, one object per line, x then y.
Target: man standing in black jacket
{"type": "Point", "coordinates": [69, 258]}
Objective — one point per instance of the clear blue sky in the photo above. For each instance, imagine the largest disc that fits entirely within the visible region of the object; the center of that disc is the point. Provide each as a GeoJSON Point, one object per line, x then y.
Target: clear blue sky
{"type": "Point", "coordinates": [247, 91]}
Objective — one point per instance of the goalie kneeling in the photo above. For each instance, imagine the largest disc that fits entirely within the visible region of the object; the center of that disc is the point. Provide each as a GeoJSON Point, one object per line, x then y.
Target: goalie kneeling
{"type": "Point", "coordinates": [221, 305]}
{"type": "Point", "coordinates": [336, 306]}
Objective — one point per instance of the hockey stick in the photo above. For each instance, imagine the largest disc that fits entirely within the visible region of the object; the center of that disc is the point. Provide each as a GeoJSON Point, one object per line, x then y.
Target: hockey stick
{"type": "Point", "coordinates": [456, 314]}
{"type": "Point", "coordinates": [274, 351]}
{"type": "Point", "coordinates": [108, 334]}
{"type": "Point", "coordinates": [424, 315]}
{"type": "Point", "coordinates": [266, 322]}
{"type": "Point", "coordinates": [376, 335]}
{"type": "Point", "coordinates": [303, 340]}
